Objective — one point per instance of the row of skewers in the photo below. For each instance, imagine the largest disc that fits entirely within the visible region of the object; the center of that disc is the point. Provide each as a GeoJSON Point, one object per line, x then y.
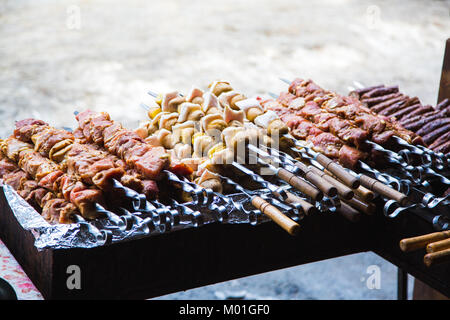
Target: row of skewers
{"type": "Point", "coordinates": [201, 148]}
{"type": "Point", "coordinates": [257, 113]}
{"type": "Point", "coordinates": [432, 123]}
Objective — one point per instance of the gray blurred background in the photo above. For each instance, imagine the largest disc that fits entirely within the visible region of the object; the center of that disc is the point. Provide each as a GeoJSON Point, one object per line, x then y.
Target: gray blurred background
{"type": "Point", "coordinates": [61, 56]}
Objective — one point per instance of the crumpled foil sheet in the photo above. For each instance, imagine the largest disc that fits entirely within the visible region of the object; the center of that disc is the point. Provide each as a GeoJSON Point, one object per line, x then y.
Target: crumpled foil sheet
{"type": "Point", "coordinates": [103, 232]}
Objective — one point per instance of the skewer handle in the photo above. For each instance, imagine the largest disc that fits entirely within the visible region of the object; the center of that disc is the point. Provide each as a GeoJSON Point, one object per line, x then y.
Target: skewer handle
{"type": "Point", "coordinates": [436, 257]}
{"type": "Point", "coordinates": [276, 215]}
{"type": "Point", "coordinates": [307, 207]}
{"type": "Point", "coordinates": [325, 186]}
{"type": "Point", "coordinates": [348, 212]}
{"type": "Point", "coordinates": [346, 177]}
{"type": "Point", "coordinates": [343, 191]}
{"type": "Point", "coordinates": [384, 190]}
{"type": "Point", "coordinates": [415, 243]}
{"type": "Point", "coordinates": [367, 208]}
{"type": "Point", "coordinates": [438, 246]}
{"type": "Point", "coordinates": [364, 193]}
{"type": "Point", "coordinates": [300, 184]}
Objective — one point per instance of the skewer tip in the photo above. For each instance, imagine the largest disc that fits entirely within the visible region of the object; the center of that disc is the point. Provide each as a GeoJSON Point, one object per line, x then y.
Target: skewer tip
{"type": "Point", "coordinates": [153, 94]}
{"type": "Point", "coordinates": [144, 106]}
{"type": "Point", "coordinates": [285, 80]}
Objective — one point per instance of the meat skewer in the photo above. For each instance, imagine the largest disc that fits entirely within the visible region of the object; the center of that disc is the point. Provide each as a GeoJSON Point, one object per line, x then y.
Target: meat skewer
{"type": "Point", "coordinates": [433, 125]}
{"type": "Point", "coordinates": [443, 104]}
{"type": "Point", "coordinates": [150, 160]}
{"type": "Point", "coordinates": [379, 129]}
{"type": "Point", "coordinates": [419, 111]}
{"type": "Point", "coordinates": [270, 125]}
{"type": "Point", "coordinates": [370, 102]}
{"type": "Point", "coordinates": [94, 166]}
{"type": "Point", "coordinates": [91, 165]}
{"type": "Point", "coordinates": [436, 133]}
{"type": "Point", "coordinates": [54, 209]}
{"type": "Point", "coordinates": [218, 149]}
{"type": "Point", "coordinates": [48, 175]}
{"type": "Point", "coordinates": [439, 141]}
{"type": "Point", "coordinates": [350, 109]}
{"type": "Point", "coordinates": [179, 100]}
{"type": "Point", "coordinates": [414, 118]}
{"type": "Point", "coordinates": [388, 192]}
{"type": "Point", "coordinates": [401, 113]}
{"type": "Point", "coordinates": [238, 130]}
{"type": "Point", "coordinates": [275, 127]}
{"type": "Point", "coordinates": [383, 130]}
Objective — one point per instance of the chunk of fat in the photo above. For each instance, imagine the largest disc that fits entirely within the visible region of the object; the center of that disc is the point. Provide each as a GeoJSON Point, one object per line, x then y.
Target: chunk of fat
{"type": "Point", "coordinates": [215, 83]}
{"type": "Point", "coordinates": [166, 117]}
{"type": "Point", "coordinates": [162, 134]}
{"type": "Point", "coordinates": [230, 115]}
{"type": "Point", "coordinates": [166, 99]}
{"type": "Point", "coordinates": [297, 103]}
{"type": "Point", "coordinates": [209, 101]}
{"type": "Point", "coordinates": [265, 119]}
{"type": "Point", "coordinates": [250, 125]}
{"type": "Point", "coordinates": [186, 109]}
{"type": "Point", "coordinates": [155, 121]}
{"type": "Point", "coordinates": [202, 144]}
{"type": "Point", "coordinates": [182, 151]}
{"type": "Point", "coordinates": [153, 140]}
{"type": "Point", "coordinates": [229, 133]}
{"type": "Point", "coordinates": [206, 120]}
{"type": "Point", "coordinates": [226, 97]}
{"type": "Point", "coordinates": [248, 103]}
{"type": "Point", "coordinates": [193, 93]}
{"type": "Point", "coordinates": [177, 130]}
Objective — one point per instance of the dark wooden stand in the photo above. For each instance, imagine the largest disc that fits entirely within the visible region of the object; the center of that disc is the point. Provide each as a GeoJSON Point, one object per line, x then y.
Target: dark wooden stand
{"type": "Point", "coordinates": [192, 258]}
{"type": "Point", "coordinates": [180, 260]}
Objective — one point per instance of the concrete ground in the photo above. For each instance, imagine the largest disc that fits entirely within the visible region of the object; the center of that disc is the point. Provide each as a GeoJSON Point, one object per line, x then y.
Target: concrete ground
{"type": "Point", "coordinates": [61, 56]}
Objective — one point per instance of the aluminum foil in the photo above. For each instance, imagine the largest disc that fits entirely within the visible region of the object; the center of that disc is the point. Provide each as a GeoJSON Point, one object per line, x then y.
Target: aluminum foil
{"type": "Point", "coordinates": [103, 231]}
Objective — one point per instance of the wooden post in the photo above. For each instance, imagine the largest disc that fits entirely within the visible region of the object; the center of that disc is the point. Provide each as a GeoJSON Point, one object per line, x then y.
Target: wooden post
{"type": "Point", "coordinates": [444, 87]}
{"type": "Point", "coordinates": [402, 284]}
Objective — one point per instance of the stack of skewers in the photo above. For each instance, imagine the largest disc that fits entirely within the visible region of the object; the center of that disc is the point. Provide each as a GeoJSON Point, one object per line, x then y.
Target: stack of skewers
{"type": "Point", "coordinates": [307, 151]}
